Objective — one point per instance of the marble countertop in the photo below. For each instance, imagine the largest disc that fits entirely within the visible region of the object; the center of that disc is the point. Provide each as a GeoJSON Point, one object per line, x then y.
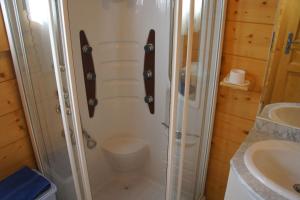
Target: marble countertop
{"type": "Point", "coordinates": [263, 130]}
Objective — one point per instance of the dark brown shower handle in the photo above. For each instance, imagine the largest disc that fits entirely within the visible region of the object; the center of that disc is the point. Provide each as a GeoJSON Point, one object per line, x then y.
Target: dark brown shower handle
{"type": "Point", "coordinates": [149, 71]}
{"type": "Point", "coordinates": [89, 73]}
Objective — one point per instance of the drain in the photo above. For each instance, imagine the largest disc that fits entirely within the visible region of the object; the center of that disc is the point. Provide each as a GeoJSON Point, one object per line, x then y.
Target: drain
{"type": "Point", "coordinates": [127, 188]}
{"type": "Point", "coordinates": [297, 187]}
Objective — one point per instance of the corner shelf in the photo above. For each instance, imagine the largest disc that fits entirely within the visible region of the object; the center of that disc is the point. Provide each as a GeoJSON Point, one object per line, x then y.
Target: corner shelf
{"type": "Point", "coordinates": [244, 87]}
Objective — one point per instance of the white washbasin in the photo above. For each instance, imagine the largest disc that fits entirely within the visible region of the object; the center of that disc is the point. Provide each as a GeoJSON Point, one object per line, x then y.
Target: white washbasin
{"type": "Point", "coordinates": [286, 114]}
{"type": "Point", "coordinates": [276, 164]}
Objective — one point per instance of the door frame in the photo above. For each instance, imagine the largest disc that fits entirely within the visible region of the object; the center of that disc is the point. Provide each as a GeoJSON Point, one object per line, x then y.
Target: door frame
{"type": "Point", "coordinates": [276, 54]}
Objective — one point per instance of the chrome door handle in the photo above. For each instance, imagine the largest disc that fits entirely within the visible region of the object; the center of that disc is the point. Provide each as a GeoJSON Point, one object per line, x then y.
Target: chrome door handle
{"type": "Point", "coordinates": [290, 42]}
{"type": "Point", "coordinates": [165, 125]}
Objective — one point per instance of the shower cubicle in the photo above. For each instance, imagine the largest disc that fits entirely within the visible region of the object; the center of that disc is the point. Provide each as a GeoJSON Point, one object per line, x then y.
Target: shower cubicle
{"type": "Point", "coordinates": [119, 95]}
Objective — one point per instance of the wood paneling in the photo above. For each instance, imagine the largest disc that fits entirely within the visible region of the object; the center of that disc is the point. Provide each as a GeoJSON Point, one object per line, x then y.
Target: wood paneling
{"type": "Point", "coordinates": [29, 162]}
{"type": "Point", "coordinates": [255, 69]}
{"type": "Point", "coordinates": [258, 11]}
{"type": "Point", "coordinates": [218, 171]}
{"type": "Point", "coordinates": [247, 40]}
{"type": "Point", "coordinates": [12, 128]}
{"type": "Point", "coordinates": [229, 127]}
{"type": "Point", "coordinates": [6, 67]}
{"type": "Point", "coordinates": [286, 83]}
{"type": "Point", "coordinates": [3, 37]}
{"type": "Point", "coordinates": [15, 146]}
{"type": "Point", "coordinates": [292, 88]}
{"type": "Point", "coordinates": [15, 152]}
{"type": "Point", "coordinates": [9, 97]}
{"type": "Point", "coordinates": [214, 190]}
{"type": "Point", "coordinates": [216, 184]}
{"type": "Point", "coordinates": [278, 45]}
{"type": "Point", "coordinates": [16, 155]}
{"type": "Point", "coordinates": [222, 149]}
{"type": "Point", "coordinates": [238, 103]}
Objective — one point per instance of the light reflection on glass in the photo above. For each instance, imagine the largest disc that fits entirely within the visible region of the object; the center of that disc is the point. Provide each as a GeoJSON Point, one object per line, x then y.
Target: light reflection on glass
{"type": "Point", "coordinates": [38, 10]}
{"type": "Point", "coordinates": [185, 15]}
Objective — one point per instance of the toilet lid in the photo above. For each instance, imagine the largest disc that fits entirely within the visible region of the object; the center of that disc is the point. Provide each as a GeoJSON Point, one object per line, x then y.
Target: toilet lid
{"type": "Point", "coordinates": [123, 145]}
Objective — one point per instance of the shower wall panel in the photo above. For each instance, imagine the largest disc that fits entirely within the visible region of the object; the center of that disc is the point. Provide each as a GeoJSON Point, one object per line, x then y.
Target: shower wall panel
{"type": "Point", "coordinates": [117, 30]}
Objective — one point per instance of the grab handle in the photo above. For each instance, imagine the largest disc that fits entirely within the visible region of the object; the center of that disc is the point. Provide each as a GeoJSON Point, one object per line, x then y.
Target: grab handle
{"type": "Point", "coordinates": [89, 73]}
{"type": "Point", "coordinates": [149, 71]}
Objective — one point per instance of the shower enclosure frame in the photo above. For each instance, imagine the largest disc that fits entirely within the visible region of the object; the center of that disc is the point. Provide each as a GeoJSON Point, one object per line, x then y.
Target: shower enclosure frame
{"type": "Point", "coordinates": [26, 102]}
{"type": "Point", "coordinates": [16, 45]}
{"type": "Point", "coordinates": [213, 29]}
{"type": "Point", "coordinates": [212, 33]}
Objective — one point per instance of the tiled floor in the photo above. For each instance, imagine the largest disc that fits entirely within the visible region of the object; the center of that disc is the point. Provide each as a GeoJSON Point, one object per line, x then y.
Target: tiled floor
{"type": "Point", "coordinates": [133, 188]}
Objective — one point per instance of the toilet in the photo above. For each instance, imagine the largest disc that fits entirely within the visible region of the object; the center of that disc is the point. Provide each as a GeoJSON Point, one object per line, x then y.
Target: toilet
{"type": "Point", "coordinates": [125, 154]}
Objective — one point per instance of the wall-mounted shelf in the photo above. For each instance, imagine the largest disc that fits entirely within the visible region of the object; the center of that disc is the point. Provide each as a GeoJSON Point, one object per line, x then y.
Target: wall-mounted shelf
{"type": "Point", "coordinates": [244, 87]}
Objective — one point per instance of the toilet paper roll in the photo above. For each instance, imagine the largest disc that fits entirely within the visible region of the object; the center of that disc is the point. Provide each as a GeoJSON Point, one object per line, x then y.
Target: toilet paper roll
{"type": "Point", "coordinates": [237, 76]}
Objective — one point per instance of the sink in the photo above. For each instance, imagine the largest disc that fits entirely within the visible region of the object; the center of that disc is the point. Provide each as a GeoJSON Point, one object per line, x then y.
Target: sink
{"type": "Point", "coordinates": [276, 164]}
{"type": "Point", "coordinates": [286, 114]}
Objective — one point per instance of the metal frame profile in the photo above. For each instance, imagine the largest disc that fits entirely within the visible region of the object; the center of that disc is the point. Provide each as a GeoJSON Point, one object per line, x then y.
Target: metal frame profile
{"type": "Point", "coordinates": [17, 47]}
{"type": "Point", "coordinates": [212, 30]}
{"type": "Point", "coordinates": [19, 58]}
{"type": "Point", "coordinates": [213, 26]}
{"type": "Point", "coordinates": [70, 75]}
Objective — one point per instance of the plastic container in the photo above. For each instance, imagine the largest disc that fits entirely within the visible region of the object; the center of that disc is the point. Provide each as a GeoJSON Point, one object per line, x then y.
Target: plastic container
{"type": "Point", "coordinates": [49, 194]}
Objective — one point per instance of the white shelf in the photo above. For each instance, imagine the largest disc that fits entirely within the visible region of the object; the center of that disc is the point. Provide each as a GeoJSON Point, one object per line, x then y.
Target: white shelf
{"type": "Point", "coordinates": [244, 87]}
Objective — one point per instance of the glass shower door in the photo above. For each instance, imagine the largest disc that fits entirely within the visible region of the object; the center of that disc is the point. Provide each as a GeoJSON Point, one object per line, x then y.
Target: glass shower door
{"type": "Point", "coordinates": [130, 156]}
{"type": "Point", "coordinates": [196, 57]}
{"type": "Point", "coordinates": [51, 77]}
{"type": "Point", "coordinates": [40, 73]}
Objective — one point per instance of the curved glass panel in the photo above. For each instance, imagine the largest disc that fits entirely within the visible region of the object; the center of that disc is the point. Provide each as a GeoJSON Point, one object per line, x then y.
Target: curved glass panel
{"type": "Point", "coordinates": [30, 33]}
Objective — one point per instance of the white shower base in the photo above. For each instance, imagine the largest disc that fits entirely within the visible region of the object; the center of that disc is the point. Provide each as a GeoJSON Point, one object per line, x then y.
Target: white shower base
{"type": "Point", "coordinates": [131, 188]}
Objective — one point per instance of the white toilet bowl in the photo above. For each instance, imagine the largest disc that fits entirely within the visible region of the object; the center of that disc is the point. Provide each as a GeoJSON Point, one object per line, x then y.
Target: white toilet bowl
{"type": "Point", "coordinates": [125, 153]}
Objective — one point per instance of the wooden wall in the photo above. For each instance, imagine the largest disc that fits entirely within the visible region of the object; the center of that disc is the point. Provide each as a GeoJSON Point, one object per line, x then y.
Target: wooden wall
{"type": "Point", "coordinates": [15, 145]}
{"type": "Point", "coordinates": [248, 33]}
